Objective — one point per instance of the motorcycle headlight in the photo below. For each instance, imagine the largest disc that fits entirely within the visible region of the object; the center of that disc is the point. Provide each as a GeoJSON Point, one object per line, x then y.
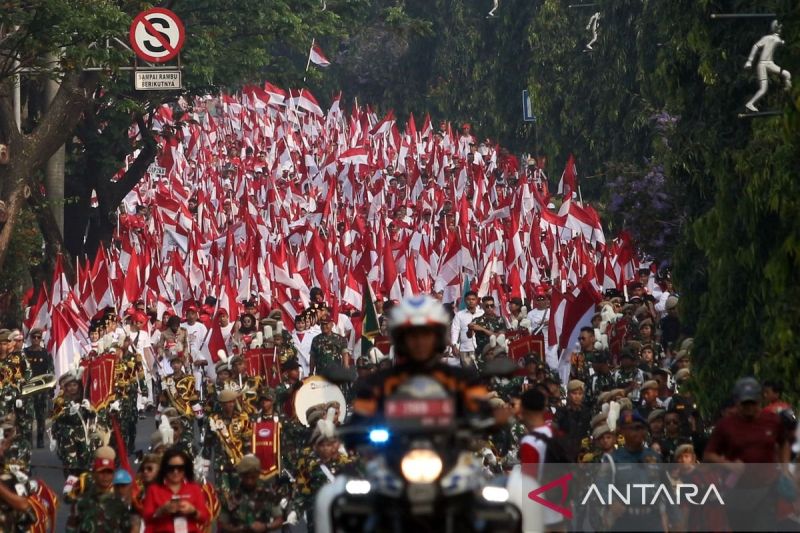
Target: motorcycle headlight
{"type": "Point", "coordinates": [421, 466]}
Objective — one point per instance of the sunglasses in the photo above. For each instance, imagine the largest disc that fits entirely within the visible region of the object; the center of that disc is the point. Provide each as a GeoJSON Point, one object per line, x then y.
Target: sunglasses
{"type": "Point", "coordinates": [175, 468]}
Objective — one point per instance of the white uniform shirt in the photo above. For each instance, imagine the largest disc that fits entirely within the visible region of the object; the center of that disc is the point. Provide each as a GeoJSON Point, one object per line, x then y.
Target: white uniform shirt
{"type": "Point", "coordinates": [458, 330]}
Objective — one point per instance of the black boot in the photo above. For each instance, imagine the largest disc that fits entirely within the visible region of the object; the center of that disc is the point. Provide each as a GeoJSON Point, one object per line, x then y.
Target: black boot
{"type": "Point", "coordinates": [40, 441]}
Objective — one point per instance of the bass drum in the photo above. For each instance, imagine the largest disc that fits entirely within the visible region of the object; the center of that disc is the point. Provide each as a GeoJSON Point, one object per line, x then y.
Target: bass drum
{"type": "Point", "coordinates": [314, 391]}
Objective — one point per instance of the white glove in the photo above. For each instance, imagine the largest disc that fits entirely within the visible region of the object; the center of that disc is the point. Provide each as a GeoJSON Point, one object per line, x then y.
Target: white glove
{"type": "Point", "coordinates": [489, 456]}
{"type": "Point", "coordinates": [114, 407]}
{"type": "Point", "coordinates": [748, 64]}
{"type": "Point", "coordinates": [613, 415]}
{"type": "Point", "coordinates": [69, 484]}
{"type": "Point", "coordinates": [74, 408]}
{"type": "Point", "coordinates": [284, 503]}
{"type": "Point", "coordinates": [53, 445]}
{"type": "Point", "coordinates": [17, 472]}
{"type": "Point", "coordinates": [86, 404]}
{"type": "Point", "coordinates": [292, 519]}
{"type": "Point", "coordinates": [18, 403]}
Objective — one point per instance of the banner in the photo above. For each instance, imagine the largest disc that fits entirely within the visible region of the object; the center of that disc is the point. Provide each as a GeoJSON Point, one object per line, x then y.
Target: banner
{"type": "Point", "coordinates": [267, 446]}
{"type": "Point", "coordinates": [99, 379]}
{"type": "Point", "coordinates": [616, 337]}
{"type": "Point", "coordinates": [523, 346]}
{"type": "Point", "coordinates": [262, 362]}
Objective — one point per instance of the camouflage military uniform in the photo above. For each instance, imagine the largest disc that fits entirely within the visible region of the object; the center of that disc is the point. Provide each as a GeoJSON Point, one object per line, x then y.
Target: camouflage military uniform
{"type": "Point", "coordinates": [130, 380]}
{"type": "Point", "coordinates": [580, 365]}
{"type": "Point", "coordinates": [21, 370]}
{"type": "Point", "coordinates": [40, 362]}
{"type": "Point", "coordinates": [226, 441]}
{"type": "Point", "coordinates": [311, 478]}
{"type": "Point", "coordinates": [327, 350]}
{"type": "Point", "coordinates": [73, 446]}
{"type": "Point", "coordinates": [597, 383]}
{"type": "Point", "coordinates": [11, 520]}
{"type": "Point", "coordinates": [242, 508]}
{"type": "Point", "coordinates": [294, 437]}
{"type": "Point", "coordinates": [623, 377]}
{"type": "Point", "coordinates": [492, 323]}
{"type": "Point", "coordinates": [99, 512]}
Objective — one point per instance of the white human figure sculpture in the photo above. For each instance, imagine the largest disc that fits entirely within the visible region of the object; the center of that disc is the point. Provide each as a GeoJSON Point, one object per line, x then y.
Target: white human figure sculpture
{"type": "Point", "coordinates": [495, 5]}
{"type": "Point", "coordinates": [765, 48]}
{"type": "Point", "coordinates": [593, 26]}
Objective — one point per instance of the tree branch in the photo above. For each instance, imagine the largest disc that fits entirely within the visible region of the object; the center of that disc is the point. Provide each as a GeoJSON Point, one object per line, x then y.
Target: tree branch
{"type": "Point", "coordinates": [138, 168]}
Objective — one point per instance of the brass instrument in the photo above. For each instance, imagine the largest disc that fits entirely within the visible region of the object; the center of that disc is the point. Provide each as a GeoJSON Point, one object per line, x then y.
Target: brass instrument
{"type": "Point", "coordinates": [233, 437]}
{"type": "Point", "coordinates": [39, 383]}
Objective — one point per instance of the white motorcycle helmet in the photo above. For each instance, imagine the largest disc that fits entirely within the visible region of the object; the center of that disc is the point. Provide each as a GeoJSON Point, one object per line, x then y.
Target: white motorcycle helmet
{"type": "Point", "coordinates": [418, 312]}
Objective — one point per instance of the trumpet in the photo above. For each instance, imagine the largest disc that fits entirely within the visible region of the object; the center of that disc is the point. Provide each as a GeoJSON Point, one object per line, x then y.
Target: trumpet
{"type": "Point", "coordinates": [39, 383]}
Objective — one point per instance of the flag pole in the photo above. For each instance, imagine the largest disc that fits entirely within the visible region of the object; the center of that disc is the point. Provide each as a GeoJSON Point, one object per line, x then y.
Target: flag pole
{"type": "Point", "coordinates": [310, 51]}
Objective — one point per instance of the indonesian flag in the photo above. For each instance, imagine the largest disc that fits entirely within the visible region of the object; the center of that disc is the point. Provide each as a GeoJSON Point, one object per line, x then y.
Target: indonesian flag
{"type": "Point", "coordinates": [570, 312]}
{"type": "Point", "coordinates": [355, 156]}
{"type": "Point", "coordinates": [317, 57]}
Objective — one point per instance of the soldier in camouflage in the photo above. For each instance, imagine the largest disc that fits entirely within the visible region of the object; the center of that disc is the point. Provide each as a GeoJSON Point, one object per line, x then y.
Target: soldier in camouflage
{"type": "Point", "coordinates": [601, 380]}
{"type": "Point", "coordinates": [253, 506]}
{"type": "Point", "coordinates": [328, 348]}
{"type": "Point", "coordinates": [129, 384]}
{"type": "Point", "coordinates": [228, 439]}
{"type": "Point", "coordinates": [486, 326]}
{"type": "Point", "coordinates": [317, 469]}
{"type": "Point", "coordinates": [98, 508]}
{"type": "Point", "coordinates": [41, 363]}
{"type": "Point", "coordinates": [70, 421]}
{"type": "Point", "coordinates": [18, 514]}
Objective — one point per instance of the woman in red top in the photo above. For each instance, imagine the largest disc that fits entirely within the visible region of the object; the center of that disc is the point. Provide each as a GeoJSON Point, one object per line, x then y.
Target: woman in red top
{"type": "Point", "coordinates": [174, 503]}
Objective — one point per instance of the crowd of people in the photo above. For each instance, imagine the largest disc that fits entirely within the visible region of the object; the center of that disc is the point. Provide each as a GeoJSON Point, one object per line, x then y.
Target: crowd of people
{"type": "Point", "coordinates": [272, 242]}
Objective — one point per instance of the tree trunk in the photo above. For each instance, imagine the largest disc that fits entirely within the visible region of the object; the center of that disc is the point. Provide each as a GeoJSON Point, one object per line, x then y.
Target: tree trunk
{"type": "Point", "coordinates": [30, 152]}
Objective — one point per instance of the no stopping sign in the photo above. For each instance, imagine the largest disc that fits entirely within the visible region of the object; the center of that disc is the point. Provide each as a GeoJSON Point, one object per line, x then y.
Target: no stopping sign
{"type": "Point", "coordinates": [157, 35]}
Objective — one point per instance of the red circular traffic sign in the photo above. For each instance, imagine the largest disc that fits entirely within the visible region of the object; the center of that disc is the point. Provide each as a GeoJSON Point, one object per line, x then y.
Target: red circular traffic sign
{"type": "Point", "coordinates": [157, 35]}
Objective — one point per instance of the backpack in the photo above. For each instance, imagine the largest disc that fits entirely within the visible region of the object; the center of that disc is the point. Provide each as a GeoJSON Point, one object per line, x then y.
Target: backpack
{"type": "Point", "coordinates": [555, 453]}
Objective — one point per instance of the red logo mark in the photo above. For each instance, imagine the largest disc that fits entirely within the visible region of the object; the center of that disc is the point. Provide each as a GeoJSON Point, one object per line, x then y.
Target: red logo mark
{"type": "Point", "coordinates": [562, 482]}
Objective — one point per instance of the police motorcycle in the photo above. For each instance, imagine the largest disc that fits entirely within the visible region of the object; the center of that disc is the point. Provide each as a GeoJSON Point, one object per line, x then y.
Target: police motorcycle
{"type": "Point", "coordinates": [421, 472]}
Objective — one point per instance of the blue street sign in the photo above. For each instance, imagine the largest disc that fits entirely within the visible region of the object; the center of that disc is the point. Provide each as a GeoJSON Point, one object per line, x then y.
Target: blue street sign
{"type": "Point", "coordinates": [527, 109]}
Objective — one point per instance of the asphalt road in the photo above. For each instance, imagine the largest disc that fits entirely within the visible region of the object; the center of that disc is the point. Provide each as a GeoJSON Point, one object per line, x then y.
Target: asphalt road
{"type": "Point", "coordinates": [47, 467]}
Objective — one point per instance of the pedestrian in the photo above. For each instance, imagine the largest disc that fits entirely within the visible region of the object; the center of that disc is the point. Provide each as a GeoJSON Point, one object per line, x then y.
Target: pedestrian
{"type": "Point", "coordinates": [174, 503]}
{"type": "Point", "coordinates": [252, 506]}
{"type": "Point", "coordinates": [99, 508]}
{"type": "Point", "coordinates": [41, 363]}
{"type": "Point", "coordinates": [750, 435]}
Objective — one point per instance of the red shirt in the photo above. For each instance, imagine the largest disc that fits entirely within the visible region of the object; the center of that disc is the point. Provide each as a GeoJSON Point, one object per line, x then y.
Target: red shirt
{"type": "Point", "coordinates": [752, 441]}
{"type": "Point", "coordinates": [158, 495]}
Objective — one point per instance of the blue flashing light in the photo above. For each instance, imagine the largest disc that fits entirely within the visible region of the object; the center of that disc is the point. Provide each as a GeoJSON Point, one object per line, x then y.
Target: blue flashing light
{"type": "Point", "coordinates": [379, 436]}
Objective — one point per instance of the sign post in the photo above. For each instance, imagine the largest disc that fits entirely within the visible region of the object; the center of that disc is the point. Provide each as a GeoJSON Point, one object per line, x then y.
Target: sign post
{"type": "Point", "coordinates": [157, 36]}
{"type": "Point", "coordinates": [527, 109]}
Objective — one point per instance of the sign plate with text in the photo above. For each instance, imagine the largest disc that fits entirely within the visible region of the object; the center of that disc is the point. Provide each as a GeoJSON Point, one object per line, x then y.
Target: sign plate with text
{"type": "Point", "coordinates": [157, 80]}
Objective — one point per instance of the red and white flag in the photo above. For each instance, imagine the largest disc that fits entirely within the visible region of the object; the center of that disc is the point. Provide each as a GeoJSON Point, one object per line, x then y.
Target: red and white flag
{"type": "Point", "coordinates": [316, 56]}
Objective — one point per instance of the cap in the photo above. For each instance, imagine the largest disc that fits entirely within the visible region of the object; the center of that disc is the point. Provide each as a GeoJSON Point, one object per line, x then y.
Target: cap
{"type": "Point", "coordinates": [627, 353]}
{"type": "Point", "coordinates": [516, 301]}
{"type": "Point", "coordinates": [222, 366]}
{"type": "Point", "coordinates": [290, 364]}
{"type": "Point", "coordinates": [629, 417]}
{"type": "Point", "coordinates": [4, 335]}
{"type": "Point", "coordinates": [650, 384]}
{"type": "Point", "coordinates": [683, 448]}
{"type": "Point", "coordinates": [601, 430]}
{"type": "Point", "coordinates": [249, 464]}
{"type": "Point", "coordinates": [601, 356]}
{"type": "Point", "coordinates": [574, 384]}
{"type": "Point", "coordinates": [15, 336]}
{"type": "Point", "coordinates": [228, 395]}
{"type": "Point", "coordinates": [35, 331]}
{"type": "Point", "coordinates": [156, 440]}
{"type": "Point", "coordinates": [104, 458]}
{"type": "Point", "coordinates": [646, 322]}
{"type": "Point", "coordinates": [191, 307]}
{"type": "Point", "coordinates": [682, 374]}
{"type": "Point", "coordinates": [747, 390]}
{"type": "Point", "coordinates": [66, 377]}
{"type": "Point", "coordinates": [672, 303]}
{"type": "Point", "coordinates": [122, 477]}
{"type": "Point", "coordinates": [266, 393]}
{"type": "Point", "coordinates": [599, 418]}
{"type": "Point", "coordinates": [655, 414]}
{"type": "Point", "coordinates": [610, 395]}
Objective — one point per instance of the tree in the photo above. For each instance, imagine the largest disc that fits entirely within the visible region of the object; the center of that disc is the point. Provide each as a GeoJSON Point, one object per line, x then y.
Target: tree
{"type": "Point", "coordinates": [227, 44]}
